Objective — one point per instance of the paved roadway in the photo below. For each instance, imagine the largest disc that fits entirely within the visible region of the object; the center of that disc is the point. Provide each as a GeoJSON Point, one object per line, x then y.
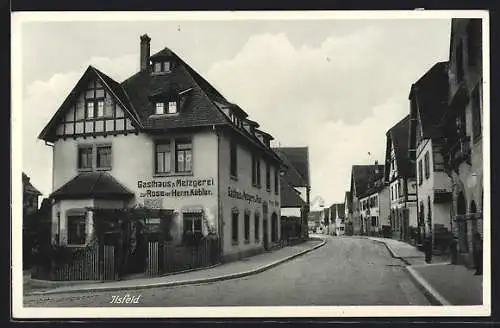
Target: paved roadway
{"type": "Point", "coordinates": [346, 271]}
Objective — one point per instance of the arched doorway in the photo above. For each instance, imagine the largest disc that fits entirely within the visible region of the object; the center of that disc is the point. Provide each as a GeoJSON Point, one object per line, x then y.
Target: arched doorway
{"type": "Point", "coordinates": [274, 227]}
{"type": "Point", "coordinates": [463, 244]}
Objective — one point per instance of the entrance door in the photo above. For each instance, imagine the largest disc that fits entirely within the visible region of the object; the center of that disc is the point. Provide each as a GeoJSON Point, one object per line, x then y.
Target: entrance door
{"type": "Point", "coordinates": [463, 242]}
{"type": "Point", "coordinates": [135, 248]}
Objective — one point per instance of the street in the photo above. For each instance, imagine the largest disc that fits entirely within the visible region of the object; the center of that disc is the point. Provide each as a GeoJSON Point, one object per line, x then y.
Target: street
{"type": "Point", "coordinates": [346, 271]}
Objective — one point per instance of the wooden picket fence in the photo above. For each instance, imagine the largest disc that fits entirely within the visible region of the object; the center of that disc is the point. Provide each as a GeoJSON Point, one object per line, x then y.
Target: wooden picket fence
{"type": "Point", "coordinates": [89, 265]}
{"type": "Point", "coordinates": [167, 258]}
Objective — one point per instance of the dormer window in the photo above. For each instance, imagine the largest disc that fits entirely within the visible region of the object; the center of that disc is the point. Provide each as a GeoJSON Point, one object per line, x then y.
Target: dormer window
{"type": "Point", "coordinates": [161, 67]}
{"type": "Point", "coordinates": [172, 107]}
{"type": "Point", "coordinates": [160, 108]}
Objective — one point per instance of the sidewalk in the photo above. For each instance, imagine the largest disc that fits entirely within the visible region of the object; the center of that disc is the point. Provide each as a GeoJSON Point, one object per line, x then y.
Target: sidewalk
{"type": "Point", "coordinates": [442, 282]}
{"type": "Point", "coordinates": [231, 270]}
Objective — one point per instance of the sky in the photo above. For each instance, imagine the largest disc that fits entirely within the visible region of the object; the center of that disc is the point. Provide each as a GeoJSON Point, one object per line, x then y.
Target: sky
{"type": "Point", "coordinates": [333, 85]}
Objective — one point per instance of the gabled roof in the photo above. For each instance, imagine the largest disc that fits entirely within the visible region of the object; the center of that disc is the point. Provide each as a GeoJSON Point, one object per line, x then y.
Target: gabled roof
{"type": "Point", "coordinates": [290, 198]}
{"type": "Point", "coordinates": [298, 158]}
{"type": "Point", "coordinates": [430, 94]}
{"type": "Point", "coordinates": [365, 175]}
{"type": "Point", "coordinates": [111, 86]}
{"type": "Point", "coordinates": [93, 185]}
{"type": "Point", "coordinates": [398, 136]}
{"type": "Point", "coordinates": [338, 208]}
{"type": "Point", "coordinates": [28, 187]}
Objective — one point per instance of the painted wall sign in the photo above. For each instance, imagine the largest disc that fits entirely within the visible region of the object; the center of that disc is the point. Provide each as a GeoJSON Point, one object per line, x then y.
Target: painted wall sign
{"type": "Point", "coordinates": [182, 187]}
{"type": "Point", "coordinates": [234, 193]}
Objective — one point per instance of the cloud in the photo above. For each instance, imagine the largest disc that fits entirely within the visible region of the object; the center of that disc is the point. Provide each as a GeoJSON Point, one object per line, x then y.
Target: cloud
{"type": "Point", "coordinates": [338, 98]}
{"type": "Point", "coordinates": [41, 100]}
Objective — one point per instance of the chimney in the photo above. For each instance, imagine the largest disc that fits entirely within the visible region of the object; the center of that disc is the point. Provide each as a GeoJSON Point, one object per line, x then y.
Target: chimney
{"type": "Point", "coordinates": [145, 52]}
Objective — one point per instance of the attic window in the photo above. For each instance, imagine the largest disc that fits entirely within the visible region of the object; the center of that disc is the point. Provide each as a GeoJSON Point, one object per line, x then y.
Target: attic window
{"type": "Point", "coordinates": [172, 107]}
{"type": "Point", "coordinates": [160, 107]}
{"type": "Point", "coordinates": [160, 67]}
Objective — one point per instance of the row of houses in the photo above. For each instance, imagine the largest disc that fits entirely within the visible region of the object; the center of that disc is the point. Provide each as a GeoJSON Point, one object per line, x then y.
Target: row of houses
{"type": "Point", "coordinates": [167, 144]}
{"type": "Point", "coordinates": [431, 183]}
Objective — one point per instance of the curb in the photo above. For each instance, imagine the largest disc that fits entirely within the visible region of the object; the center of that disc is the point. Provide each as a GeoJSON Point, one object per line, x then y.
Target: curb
{"type": "Point", "coordinates": [391, 251]}
{"type": "Point", "coordinates": [430, 293]}
{"type": "Point", "coordinates": [185, 282]}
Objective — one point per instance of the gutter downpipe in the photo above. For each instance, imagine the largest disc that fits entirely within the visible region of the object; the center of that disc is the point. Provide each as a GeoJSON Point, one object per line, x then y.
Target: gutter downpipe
{"type": "Point", "coordinates": [219, 207]}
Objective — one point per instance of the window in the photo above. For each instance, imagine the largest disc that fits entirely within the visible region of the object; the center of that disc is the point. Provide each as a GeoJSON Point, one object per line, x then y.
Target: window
{"type": "Point", "coordinates": [268, 177]}
{"type": "Point", "coordinates": [256, 223]}
{"type": "Point", "coordinates": [157, 67]}
{"type": "Point", "coordinates": [427, 165]}
{"type": "Point", "coordinates": [276, 180]}
{"type": "Point", "coordinates": [420, 173]}
{"type": "Point", "coordinates": [247, 226]}
{"type": "Point", "coordinates": [95, 108]}
{"type": "Point", "coordinates": [460, 62]}
{"type": "Point", "coordinates": [476, 114]}
{"type": "Point", "coordinates": [90, 109]}
{"type": "Point", "coordinates": [191, 225]}
{"type": "Point", "coordinates": [172, 107]}
{"type": "Point", "coordinates": [104, 156]}
{"type": "Point", "coordinates": [400, 189]}
{"type": "Point", "coordinates": [166, 66]}
{"type": "Point", "coordinates": [76, 229]}
{"type": "Point", "coordinates": [160, 108]}
{"type": "Point", "coordinates": [374, 221]}
{"type": "Point", "coordinates": [183, 156]}
{"type": "Point", "coordinates": [85, 157]}
{"type": "Point", "coordinates": [234, 226]}
{"type": "Point", "coordinates": [255, 171]}
{"type": "Point", "coordinates": [163, 157]}
{"type": "Point", "coordinates": [474, 40]}
{"type": "Point", "coordinates": [233, 158]}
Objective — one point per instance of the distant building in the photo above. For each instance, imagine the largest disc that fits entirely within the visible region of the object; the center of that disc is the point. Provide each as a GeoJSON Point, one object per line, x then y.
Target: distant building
{"type": "Point", "coordinates": [375, 205]}
{"type": "Point", "coordinates": [428, 102]}
{"type": "Point", "coordinates": [296, 174]}
{"type": "Point", "coordinates": [337, 218]}
{"type": "Point", "coordinates": [30, 196]}
{"type": "Point", "coordinates": [400, 176]}
{"type": "Point", "coordinates": [362, 179]}
{"type": "Point", "coordinates": [348, 212]}
{"type": "Point", "coordinates": [462, 124]}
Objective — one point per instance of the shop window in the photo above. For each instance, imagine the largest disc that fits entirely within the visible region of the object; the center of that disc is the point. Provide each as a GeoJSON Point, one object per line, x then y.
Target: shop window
{"type": "Point", "coordinates": [427, 165]}
{"type": "Point", "coordinates": [183, 156]}
{"type": "Point", "coordinates": [257, 227]}
{"type": "Point", "coordinates": [85, 157]}
{"type": "Point", "coordinates": [76, 229]}
{"type": "Point", "coordinates": [234, 226]}
{"type": "Point", "coordinates": [104, 157]}
{"type": "Point", "coordinates": [246, 225]}
{"type": "Point", "coordinates": [233, 158]}
{"type": "Point", "coordinates": [163, 157]}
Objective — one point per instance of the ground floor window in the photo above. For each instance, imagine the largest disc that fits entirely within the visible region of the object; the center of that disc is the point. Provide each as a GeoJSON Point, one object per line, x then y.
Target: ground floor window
{"type": "Point", "coordinates": [234, 226]}
{"type": "Point", "coordinates": [192, 226]}
{"type": "Point", "coordinates": [76, 229]}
